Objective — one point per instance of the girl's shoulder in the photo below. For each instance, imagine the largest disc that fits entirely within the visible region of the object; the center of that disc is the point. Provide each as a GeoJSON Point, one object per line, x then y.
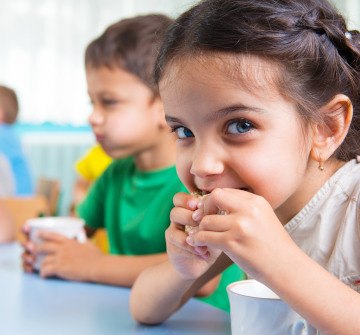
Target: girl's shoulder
{"type": "Point", "coordinates": [349, 181]}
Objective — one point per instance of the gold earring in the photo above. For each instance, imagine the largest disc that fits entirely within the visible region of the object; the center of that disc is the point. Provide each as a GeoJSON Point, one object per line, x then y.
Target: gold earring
{"type": "Point", "coordinates": [321, 164]}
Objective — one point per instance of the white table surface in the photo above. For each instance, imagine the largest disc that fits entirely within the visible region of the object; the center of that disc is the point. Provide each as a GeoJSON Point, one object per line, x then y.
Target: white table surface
{"type": "Point", "coordinates": [32, 305]}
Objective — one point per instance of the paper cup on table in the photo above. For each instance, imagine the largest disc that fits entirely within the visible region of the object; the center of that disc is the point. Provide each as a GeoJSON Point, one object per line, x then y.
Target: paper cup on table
{"type": "Point", "coordinates": [69, 227]}
{"type": "Point", "coordinates": [256, 310]}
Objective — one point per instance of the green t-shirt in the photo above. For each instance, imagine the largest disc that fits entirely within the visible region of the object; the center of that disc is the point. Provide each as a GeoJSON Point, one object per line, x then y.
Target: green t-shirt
{"type": "Point", "coordinates": [133, 206]}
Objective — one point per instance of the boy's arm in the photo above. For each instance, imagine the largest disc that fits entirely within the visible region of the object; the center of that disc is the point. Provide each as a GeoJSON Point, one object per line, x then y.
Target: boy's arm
{"type": "Point", "coordinates": [71, 260]}
{"type": "Point", "coordinates": [160, 290]}
{"type": "Point", "coordinates": [121, 270]}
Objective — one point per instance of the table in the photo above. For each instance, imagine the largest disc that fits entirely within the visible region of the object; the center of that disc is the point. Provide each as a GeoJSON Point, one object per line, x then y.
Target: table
{"type": "Point", "coordinates": [32, 305]}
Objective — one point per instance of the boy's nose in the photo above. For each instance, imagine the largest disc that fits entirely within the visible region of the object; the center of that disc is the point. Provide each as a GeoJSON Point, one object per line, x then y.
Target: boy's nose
{"type": "Point", "coordinates": [95, 117]}
{"type": "Point", "coordinates": [206, 162]}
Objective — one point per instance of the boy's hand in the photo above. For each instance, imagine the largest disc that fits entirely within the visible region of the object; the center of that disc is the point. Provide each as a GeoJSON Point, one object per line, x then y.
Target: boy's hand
{"type": "Point", "coordinates": [67, 258]}
{"type": "Point", "coordinates": [28, 256]}
{"type": "Point", "coordinates": [190, 261]}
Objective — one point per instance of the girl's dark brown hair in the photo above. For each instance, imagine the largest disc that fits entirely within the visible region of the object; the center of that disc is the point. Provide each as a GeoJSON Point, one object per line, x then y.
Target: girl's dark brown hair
{"type": "Point", "coordinates": [131, 44]}
{"type": "Point", "coordinates": [308, 39]}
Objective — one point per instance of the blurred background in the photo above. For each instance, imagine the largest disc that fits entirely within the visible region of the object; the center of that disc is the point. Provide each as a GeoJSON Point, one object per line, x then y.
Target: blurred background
{"type": "Point", "coordinates": [42, 47]}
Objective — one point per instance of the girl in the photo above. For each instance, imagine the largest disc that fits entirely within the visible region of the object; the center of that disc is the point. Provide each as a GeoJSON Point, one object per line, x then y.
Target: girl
{"type": "Point", "coordinates": [264, 98]}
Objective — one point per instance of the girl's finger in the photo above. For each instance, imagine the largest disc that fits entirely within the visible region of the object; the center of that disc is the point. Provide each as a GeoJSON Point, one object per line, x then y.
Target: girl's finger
{"type": "Point", "coordinates": [177, 238]}
{"type": "Point", "coordinates": [209, 239]}
{"type": "Point", "coordinates": [185, 200]}
{"type": "Point", "coordinates": [226, 201]}
{"type": "Point", "coordinates": [182, 216]}
{"type": "Point", "coordinates": [216, 223]}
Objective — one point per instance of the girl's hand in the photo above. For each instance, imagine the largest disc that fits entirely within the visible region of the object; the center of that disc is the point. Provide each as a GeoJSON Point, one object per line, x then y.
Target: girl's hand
{"type": "Point", "coordinates": [190, 262]}
{"type": "Point", "coordinates": [250, 233]}
{"type": "Point", "coordinates": [67, 258]}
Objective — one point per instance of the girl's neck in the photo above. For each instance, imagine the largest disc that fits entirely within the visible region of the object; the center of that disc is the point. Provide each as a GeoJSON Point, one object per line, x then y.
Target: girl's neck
{"type": "Point", "coordinates": [311, 185]}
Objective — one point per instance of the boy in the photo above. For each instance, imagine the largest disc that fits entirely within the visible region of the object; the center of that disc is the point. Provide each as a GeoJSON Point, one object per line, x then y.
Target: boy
{"type": "Point", "coordinates": [132, 199]}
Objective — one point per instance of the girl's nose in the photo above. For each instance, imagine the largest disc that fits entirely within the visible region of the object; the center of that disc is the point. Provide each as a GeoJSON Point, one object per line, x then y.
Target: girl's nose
{"type": "Point", "coordinates": [207, 162]}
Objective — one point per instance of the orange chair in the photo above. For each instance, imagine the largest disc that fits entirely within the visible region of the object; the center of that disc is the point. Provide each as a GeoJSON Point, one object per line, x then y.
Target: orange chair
{"type": "Point", "coordinates": [24, 208]}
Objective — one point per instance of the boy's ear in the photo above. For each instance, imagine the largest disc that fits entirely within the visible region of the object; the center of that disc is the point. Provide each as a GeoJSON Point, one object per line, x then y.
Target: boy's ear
{"type": "Point", "coordinates": [328, 135]}
{"type": "Point", "coordinates": [159, 111]}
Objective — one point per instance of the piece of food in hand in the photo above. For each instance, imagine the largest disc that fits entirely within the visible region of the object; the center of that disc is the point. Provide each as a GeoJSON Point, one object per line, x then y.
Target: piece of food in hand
{"type": "Point", "coordinates": [198, 194]}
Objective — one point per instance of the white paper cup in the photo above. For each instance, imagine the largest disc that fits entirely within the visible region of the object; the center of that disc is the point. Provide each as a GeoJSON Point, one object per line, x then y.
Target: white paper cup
{"type": "Point", "coordinates": [72, 228]}
{"type": "Point", "coordinates": [256, 310]}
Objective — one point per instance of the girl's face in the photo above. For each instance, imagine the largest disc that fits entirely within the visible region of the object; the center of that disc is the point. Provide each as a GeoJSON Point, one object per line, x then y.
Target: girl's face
{"type": "Point", "coordinates": [124, 118]}
{"type": "Point", "coordinates": [237, 132]}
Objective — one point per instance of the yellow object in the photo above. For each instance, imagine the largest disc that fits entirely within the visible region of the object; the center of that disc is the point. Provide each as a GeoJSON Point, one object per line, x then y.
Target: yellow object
{"type": "Point", "coordinates": [90, 167]}
{"type": "Point", "coordinates": [93, 163]}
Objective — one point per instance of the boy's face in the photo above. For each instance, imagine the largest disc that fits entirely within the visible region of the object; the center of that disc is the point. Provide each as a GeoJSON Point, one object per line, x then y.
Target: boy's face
{"type": "Point", "coordinates": [125, 118]}
{"type": "Point", "coordinates": [236, 133]}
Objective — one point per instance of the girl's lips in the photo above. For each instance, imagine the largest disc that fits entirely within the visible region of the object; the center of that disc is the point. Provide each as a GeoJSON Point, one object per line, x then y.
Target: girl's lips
{"type": "Point", "coordinates": [204, 192]}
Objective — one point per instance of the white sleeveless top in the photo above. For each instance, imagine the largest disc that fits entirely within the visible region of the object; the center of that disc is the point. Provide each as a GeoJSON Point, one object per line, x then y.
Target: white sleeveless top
{"type": "Point", "coordinates": [328, 228]}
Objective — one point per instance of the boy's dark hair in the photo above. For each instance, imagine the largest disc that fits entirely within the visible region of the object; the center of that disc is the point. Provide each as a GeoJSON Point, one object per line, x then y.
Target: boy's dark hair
{"type": "Point", "coordinates": [307, 39]}
{"type": "Point", "coordinates": [131, 44]}
{"type": "Point", "coordinates": [9, 104]}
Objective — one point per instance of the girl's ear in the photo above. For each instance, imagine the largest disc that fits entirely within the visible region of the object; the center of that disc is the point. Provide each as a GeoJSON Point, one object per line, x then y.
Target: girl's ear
{"type": "Point", "coordinates": [328, 135]}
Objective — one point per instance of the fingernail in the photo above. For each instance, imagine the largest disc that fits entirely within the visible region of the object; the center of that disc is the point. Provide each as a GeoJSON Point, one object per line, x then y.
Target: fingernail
{"type": "Point", "coordinates": [193, 203]}
{"type": "Point", "coordinates": [196, 215]}
{"type": "Point", "coordinates": [190, 240]}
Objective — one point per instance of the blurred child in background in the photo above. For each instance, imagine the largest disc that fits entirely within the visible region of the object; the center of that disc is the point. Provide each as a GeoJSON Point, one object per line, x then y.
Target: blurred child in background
{"type": "Point", "coordinates": [10, 145]}
{"type": "Point", "coordinates": [7, 188]}
{"type": "Point", "coordinates": [132, 199]}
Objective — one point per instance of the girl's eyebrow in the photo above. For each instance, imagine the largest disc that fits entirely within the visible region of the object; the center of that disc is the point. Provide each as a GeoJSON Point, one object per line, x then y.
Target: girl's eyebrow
{"type": "Point", "coordinates": [172, 119]}
{"type": "Point", "coordinates": [223, 112]}
{"type": "Point", "coordinates": [233, 109]}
